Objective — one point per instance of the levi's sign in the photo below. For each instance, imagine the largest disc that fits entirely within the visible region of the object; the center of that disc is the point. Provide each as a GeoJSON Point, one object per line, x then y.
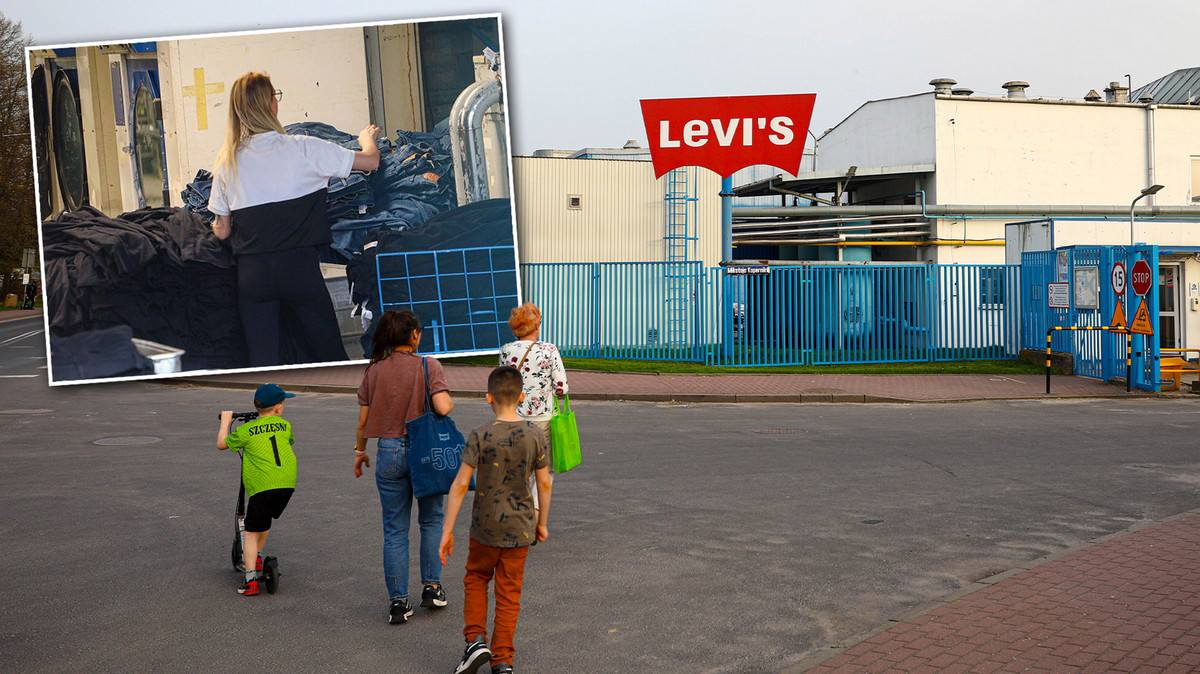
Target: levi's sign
{"type": "Point", "coordinates": [727, 133]}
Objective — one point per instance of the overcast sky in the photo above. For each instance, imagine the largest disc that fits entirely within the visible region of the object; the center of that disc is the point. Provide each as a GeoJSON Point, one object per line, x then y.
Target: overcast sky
{"type": "Point", "coordinates": [576, 70]}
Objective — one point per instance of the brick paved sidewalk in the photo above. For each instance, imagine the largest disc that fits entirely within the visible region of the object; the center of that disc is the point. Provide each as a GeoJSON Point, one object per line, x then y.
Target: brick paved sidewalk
{"type": "Point", "coordinates": [1130, 603]}
{"type": "Point", "coordinates": [13, 314]}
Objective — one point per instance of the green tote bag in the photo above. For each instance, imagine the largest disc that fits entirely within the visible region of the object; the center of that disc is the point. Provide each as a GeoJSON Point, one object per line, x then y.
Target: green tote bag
{"type": "Point", "coordinates": [564, 437]}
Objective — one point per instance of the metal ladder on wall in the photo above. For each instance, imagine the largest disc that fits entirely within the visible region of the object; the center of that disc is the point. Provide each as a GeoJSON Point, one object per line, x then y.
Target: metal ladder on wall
{"type": "Point", "coordinates": [680, 243]}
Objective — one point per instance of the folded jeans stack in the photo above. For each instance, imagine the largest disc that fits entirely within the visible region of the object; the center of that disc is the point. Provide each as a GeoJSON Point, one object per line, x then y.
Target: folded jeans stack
{"type": "Point", "coordinates": [196, 194]}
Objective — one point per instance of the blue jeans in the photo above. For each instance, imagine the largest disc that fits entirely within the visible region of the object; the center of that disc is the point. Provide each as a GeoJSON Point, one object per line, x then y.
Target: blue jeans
{"type": "Point", "coordinates": [396, 497]}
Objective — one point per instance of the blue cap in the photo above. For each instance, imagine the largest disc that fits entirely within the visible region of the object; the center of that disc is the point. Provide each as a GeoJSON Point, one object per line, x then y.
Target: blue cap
{"type": "Point", "coordinates": [270, 395]}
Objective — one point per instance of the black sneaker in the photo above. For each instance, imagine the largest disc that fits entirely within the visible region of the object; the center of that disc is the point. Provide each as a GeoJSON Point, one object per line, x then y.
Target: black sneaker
{"type": "Point", "coordinates": [433, 597]}
{"type": "Point", "coordinates": [476, 655]}
{"type": "Point", "coordinates": [399, 612]}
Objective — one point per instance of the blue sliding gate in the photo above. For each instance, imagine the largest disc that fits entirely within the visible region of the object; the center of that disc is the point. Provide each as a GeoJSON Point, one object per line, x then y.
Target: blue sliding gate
{"type": "Point", "coordinates": [1087, 273]}
{"type": "Point", "coordinates": [803, 314]}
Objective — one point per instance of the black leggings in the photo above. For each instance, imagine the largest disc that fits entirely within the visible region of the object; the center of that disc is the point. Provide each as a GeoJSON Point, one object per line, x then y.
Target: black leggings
{"type": "Point", "coordinates": [283, 301]}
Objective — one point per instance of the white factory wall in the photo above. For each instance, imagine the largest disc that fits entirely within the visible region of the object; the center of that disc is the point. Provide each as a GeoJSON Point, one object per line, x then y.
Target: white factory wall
{"type": "Point", "coordinates": [322, 74]}
{"type": "Point", "coordinates": [621, 218]}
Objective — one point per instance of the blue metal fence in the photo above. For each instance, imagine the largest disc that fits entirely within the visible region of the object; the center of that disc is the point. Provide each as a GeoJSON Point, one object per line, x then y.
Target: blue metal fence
{"type": "Point", "coordinates": [975, 311]}
{"type": "Point", "coordinates": [626, 310]}
{"type": "Point", "coordinates": [803, 314]}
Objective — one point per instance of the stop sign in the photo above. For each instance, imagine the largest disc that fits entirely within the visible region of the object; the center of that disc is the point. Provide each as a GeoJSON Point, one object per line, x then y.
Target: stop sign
{"type": "Point", "coordinates": [1140, 278]}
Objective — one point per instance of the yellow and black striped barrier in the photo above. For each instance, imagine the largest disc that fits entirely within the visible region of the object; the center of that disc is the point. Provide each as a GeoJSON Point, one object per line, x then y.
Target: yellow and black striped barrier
{"type": "Point", "coordinates": [1116, 328]}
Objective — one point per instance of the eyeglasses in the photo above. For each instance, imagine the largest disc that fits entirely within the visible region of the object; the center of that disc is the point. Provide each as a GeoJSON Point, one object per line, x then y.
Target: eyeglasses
{"type": "Point", "coordinates": [278, 95]}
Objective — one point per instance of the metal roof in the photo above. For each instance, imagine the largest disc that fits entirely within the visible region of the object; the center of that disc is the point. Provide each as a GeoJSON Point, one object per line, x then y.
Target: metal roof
{"type": "Point", "coordinates": [1181, 87]}
{"type": "Point", "coordinates": [820, 182]}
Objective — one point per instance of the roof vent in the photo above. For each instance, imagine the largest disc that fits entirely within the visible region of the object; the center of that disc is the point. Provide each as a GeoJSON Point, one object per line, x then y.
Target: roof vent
{"type": "Point", "coordinates": [1146, 99]}
{"type": "Point", "coordinates": [1016, 88]}
{"type": "Point", "coordinates": [962, 91]}
{"type": "Point", "coordinates": [1092, 96]}
{"type": "Point", "coordinates": [631, 145]}
{"type": "Point", "coordinates": [1115, 93]}
{"type": "Point", "coordinates": [943, 85]}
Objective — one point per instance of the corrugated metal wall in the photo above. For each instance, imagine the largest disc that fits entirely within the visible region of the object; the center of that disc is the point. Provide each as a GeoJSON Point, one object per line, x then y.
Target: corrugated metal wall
{"type": "Point", "coordinates": [621, 215]}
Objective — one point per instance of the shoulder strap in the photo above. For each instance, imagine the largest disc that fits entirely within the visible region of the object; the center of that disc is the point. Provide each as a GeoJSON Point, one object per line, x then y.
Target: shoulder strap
{"type": "Point", "coordinates": [428, 397]}
{"type": "Point", "coordinates": [526, 354]}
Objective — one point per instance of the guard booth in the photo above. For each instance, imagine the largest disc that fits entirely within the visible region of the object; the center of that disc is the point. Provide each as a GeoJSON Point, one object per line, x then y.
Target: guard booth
{"type": "Point", "coordinates": [1136, 286]}
{"type": "Point", "coordinates": [1062, 251]}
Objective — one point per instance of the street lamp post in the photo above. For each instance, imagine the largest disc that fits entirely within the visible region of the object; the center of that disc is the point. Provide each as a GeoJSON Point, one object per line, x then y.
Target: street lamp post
{"type": "Point", "coordinates": [1153, 189]}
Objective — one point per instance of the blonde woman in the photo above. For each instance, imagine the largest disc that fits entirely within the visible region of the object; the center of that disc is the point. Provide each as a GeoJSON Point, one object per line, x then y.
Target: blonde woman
{"type": "Point", "coordinates": [540, 364]}
{"type": "Point", "coordinates": [268, 196]}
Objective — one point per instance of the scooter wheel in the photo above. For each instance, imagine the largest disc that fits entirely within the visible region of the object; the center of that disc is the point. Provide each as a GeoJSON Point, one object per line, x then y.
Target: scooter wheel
{"type": "Point", "coordinates": [271, 574]}
{"type": "Point", "coordinates": [235, 556]}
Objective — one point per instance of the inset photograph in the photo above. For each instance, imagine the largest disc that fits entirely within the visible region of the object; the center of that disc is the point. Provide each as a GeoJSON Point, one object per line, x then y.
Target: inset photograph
{"type": "Point", "coordinates": [257, 200]}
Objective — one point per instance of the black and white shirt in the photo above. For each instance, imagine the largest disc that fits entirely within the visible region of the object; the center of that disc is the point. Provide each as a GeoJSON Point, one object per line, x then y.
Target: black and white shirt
{"type": "Point", "coordinates": [278, 199]}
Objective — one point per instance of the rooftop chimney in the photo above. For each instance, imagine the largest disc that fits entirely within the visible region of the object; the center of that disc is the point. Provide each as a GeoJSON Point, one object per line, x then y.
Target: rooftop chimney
{"type": "Point", "coordinates": [1092, 96]}
{"type": "Point", "coordinates": [962, 91]}
{"type": "Point", "coordinates": [1016, 88]}
{"type": "Point", "coordinates": [942, 85]}
{"type": "Point", "coordinates": [1115, 93]}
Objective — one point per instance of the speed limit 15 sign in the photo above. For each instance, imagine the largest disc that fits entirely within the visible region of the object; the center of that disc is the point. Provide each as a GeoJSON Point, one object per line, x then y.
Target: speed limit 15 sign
{"type": "Point", "coordinates": [1118, 278]}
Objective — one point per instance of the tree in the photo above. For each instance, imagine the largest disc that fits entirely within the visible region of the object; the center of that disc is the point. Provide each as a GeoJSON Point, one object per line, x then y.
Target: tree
{"type": "Point", "coordinates": [18, 215]}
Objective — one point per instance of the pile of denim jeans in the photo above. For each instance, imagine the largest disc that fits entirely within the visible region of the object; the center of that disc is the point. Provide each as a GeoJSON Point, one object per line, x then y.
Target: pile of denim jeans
{"type": "Point", "coordinates": [414, 182]}
{"type": "Point", "coordinates": [349, 196]}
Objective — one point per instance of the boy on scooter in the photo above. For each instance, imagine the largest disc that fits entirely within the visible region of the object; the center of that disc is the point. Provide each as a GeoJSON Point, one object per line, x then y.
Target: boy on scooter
{"type": "Point", "coordinates": [268, 472]}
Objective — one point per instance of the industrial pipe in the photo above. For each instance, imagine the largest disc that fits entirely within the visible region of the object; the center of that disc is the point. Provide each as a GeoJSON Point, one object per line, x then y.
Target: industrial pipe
{"type": "Point", "coordinates": [951, 210]}
{"type": "Point", "coordinates": [466, 139]}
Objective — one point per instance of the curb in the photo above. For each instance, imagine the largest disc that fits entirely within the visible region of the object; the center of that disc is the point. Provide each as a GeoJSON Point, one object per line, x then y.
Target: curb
{"type": "Point", "coordinates": [689, 398]}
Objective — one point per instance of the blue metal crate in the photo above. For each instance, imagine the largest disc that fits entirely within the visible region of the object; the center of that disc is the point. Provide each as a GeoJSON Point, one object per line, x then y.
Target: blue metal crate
{"type": "Point", "coordinates": [462, 296]}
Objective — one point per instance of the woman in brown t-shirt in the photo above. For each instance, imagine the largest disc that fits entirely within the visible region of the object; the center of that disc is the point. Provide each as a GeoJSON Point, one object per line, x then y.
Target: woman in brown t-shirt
{"type": "Point", "coordinates": [392, 393]}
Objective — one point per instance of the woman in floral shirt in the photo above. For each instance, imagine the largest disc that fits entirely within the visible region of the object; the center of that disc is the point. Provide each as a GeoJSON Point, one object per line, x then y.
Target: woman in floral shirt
{"type": "Point", "coordinates": [540, 365]}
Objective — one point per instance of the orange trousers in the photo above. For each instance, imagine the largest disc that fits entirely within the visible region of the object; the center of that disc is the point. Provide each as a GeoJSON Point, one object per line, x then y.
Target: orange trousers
{"type": "Point", "coordinates": [507, 567]}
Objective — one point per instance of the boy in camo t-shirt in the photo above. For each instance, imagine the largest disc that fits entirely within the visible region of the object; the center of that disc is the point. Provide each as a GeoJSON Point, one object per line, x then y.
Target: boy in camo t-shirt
{"type": "Point", "coordinates": [502, 456]}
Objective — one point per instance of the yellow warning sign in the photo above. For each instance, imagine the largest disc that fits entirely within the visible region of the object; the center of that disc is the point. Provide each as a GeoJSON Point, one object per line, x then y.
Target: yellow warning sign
{"type": "Point", "coordinates": [1141, 320]}
{"type": "Point", "coordinates": [1118, 320]}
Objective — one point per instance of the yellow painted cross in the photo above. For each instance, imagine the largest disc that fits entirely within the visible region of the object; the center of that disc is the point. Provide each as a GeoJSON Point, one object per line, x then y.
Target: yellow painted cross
{"type": "Point", "coordinates": [201, 91]}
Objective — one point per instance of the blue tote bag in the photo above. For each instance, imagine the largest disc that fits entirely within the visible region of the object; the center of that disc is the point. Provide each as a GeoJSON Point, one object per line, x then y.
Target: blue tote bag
{"type": "Point", "coordinates": [435, 448]}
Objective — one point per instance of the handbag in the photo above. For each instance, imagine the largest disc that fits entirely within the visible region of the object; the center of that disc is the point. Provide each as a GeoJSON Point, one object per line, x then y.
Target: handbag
{"type": "Point", "coordinates": [435, 448]}
{"type": "Point", "coordinates": [564, 437]}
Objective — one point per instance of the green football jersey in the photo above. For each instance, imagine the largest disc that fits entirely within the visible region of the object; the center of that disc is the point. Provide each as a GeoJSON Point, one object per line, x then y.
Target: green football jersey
{"type": "Point", "coordinates": [267, 458]}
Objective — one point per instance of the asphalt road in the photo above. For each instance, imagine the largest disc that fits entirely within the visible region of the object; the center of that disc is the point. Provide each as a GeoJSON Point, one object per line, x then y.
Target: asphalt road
{"type": "Point", "coordinates": [693, 538]}
{"type": "Point", "coordinates": [23, 349]}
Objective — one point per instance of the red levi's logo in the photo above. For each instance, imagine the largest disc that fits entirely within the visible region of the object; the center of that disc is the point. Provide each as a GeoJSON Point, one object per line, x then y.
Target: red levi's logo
{"type": "Point", "coordinates": [728, 133]}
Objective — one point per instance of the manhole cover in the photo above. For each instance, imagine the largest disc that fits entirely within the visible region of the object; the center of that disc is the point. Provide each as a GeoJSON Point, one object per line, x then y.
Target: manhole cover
{"type": "Point", "coordinates": [128, 440]}
{"type": "Point", "coordinates": [780, 431]}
